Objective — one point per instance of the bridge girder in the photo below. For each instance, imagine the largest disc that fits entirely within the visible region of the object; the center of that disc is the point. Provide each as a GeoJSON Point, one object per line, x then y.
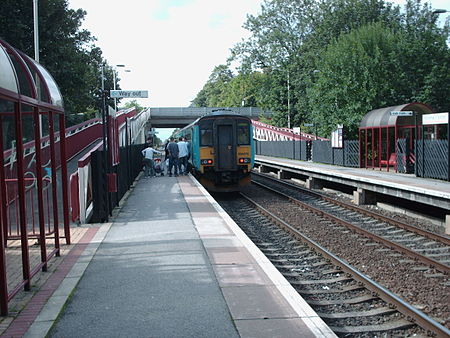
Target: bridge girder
{"type": "Point", "coordinates": [179, 117]}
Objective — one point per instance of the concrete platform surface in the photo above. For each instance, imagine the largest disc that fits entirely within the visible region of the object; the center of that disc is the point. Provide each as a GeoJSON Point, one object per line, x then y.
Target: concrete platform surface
{"type": "Point", "coordinates": [172, 264]}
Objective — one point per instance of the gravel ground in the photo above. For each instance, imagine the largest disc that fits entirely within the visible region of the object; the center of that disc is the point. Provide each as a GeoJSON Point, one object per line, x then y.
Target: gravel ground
{"type": "Point", "coordinates": [419, 223]}
{"type": "Point", "coordinates": [425, 288]}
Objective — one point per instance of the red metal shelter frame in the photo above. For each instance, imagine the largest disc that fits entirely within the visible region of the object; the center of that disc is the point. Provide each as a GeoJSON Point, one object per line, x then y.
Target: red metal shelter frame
{"type": "Point", "coordinates": [379, 132]}
{"type": "Point", "coordinates": [32, 165]}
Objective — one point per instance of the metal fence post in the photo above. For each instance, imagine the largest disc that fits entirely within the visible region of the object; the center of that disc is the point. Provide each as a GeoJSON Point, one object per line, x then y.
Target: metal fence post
{"type": "Point", "coordinates": [448, 146]}
{"type": "Point", "coordinates": [343, 146]}
{"type": "Point", "coordinates": [105, 149]}
{"type": "Point", "coordinates": [415, 144]}
{"type": "Point", "coordinates": [3, 232]}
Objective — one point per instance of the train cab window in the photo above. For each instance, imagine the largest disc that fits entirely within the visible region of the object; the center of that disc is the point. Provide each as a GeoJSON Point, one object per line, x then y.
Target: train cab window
{"type": "Point", "coordinates": [243, 133]}
{"type": "Point", "coordinates": [206, 133]}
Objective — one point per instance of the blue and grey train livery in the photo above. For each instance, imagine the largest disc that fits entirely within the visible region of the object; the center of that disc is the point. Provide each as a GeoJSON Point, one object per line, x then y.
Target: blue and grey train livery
{"type": "Point", "coordinates": [222, 150]}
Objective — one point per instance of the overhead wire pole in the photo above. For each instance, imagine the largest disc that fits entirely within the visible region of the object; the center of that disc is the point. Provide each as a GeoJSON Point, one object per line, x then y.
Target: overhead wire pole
{"type": "Point", "coordinates": [105, 144]}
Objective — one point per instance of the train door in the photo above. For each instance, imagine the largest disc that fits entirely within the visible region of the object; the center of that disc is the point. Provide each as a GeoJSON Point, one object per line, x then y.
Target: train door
{"type": "Point", "coordinates": [226, 146]}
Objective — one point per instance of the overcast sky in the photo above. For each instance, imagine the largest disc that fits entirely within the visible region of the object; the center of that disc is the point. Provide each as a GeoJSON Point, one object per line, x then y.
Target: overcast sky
{"type": "Point", "coordinates": [170, 46]}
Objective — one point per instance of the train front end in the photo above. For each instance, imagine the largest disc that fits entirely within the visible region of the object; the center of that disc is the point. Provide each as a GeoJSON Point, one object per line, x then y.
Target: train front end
{"type": "Point", "coordinates": [226, 152]}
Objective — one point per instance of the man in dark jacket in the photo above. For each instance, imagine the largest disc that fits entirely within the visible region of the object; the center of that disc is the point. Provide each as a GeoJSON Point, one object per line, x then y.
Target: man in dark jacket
{"type": "Point", "coordinates": [172, 148]}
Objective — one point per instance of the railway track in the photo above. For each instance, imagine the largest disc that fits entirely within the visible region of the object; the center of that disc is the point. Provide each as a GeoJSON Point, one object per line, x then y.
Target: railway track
{"type": "Point", "coordinates": [352, 304]}
{"type": "Point", "coordinates": [429, 248]}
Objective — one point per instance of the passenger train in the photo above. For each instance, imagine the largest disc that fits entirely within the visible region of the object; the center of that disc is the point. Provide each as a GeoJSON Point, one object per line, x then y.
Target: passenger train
{"type": "Point", "coordinates": [221, 150]}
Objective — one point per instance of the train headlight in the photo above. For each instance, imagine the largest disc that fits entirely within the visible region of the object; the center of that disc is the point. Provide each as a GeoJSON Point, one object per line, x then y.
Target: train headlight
{"type": "Point", "coordinates": [207, 161]}
{"type": "Point", "coordinates": [244, 160]}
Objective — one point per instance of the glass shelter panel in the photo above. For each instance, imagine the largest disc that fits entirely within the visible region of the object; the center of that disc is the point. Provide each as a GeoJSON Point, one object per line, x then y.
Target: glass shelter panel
{"type": "Point", "coordinates": [8, 77]}
{"type": "Point", "coordinates": [57, 177]}
{"type": "Point", "coordinates": [29, 167]}
{"type": "Point", "coordinates": [24, 84]}
{"type": "Point", "coordinates": [44, 126]}
{"type": "Point", "coordinates": [55, 94]}
{"type": "Point", "coordinates": [39, 82]}
{"type": "Point", "coordinates": [384, 145]}
{"type": "Point", "coordinates": [10, 187]}
{"type": "Point", "coordinates": [369, 148]}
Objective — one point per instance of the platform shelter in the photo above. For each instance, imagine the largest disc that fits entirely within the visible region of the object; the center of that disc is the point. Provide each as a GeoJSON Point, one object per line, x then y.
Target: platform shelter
{"type": "Point", "coordinates": [380, 130]}
{"type": "Point", "coordinates": [33, 172]}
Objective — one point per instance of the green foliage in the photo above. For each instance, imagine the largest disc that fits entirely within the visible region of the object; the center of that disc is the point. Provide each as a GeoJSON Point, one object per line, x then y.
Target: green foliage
{"type": "Point", "coordinates": [133, 104]}
{"type": "Point", "coordinates": [212, 92]}
{"type": "Point", "coordinates": [355, 74]}
{"type": "Point", "coordinates": [343, 58]}
{"type": "Point", "coordinates": [374, 67]}
{"type": "Point", "coordinates": [67, 52]}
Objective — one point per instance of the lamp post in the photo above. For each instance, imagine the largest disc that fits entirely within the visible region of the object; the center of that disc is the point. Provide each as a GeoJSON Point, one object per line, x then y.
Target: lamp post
{"type": "Point", "coordinates": [36, 30]}
{"type": "Point", "coordinates": [114, 84]}
{"type": "Point", "coordinates": [288, 101]}
{"type": "Point", "coordinates": [36, 53]}
{"type": "Point", "coordinates": [105, 140]}
{"type": "Point", "coordinates": [442, 11]}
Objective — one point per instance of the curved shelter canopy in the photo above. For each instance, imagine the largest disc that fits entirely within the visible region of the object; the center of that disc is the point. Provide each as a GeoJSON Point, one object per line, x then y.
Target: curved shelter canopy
{"type": "Point", "coordinates": [380, 130]}
{"type": "Point", "coordinates": [8, 80]}
{"type": "Point", "coordinates": [25, 79]}
{"type": "Point", "coordinates": [33, 167]}
{"type": "Point", "coordinates": [382, 117]}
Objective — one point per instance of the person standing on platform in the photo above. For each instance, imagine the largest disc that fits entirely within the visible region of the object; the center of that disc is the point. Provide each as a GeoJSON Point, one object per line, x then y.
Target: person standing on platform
{"type": "Point", "coordinates": [148, 161]}
{"type": "Point", "coordinates": [172, 148]}
{"type": "Point", "coordinates": [165, 160]}
{"type": "Point", "coordinates": [183, 155]}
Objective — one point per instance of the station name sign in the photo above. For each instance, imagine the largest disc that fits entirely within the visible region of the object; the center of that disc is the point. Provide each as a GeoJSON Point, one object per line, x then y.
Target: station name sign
{"type": "Point", "coordinates": [128, 94]}
{"type": "Point", "coordinates": [438, 118]}
{"type": "Point", "coordinates": [402, 113]}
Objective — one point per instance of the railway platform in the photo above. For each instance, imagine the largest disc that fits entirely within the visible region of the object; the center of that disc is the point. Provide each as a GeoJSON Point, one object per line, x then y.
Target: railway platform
{"type": "Point", "coordinates": [171, 263]}
{"type": "Point", "coordinates": [367, 184]}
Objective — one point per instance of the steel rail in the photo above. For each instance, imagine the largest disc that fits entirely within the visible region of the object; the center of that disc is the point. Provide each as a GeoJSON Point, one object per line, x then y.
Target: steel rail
{"type": "Point", "coordinates": [437, 237]}
{"type": "Point", "coordinates": [405, 308]}
{"type": "Point", "coordinates": [425, 260]}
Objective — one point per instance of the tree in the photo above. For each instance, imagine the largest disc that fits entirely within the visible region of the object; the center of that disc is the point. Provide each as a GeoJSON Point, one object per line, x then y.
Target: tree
{"type": "Point", "coordinates": [425, 58]}
{"type": "Point", "coordinates": [342, 58]}
{"type": "Point", "coordinates": [66, 51]}
{"type": "Point", "coordinates": [354, 76]}
{"type": "Point", "coordinates": [276, 47]}
{"type": "Point", "coordinates": [371, 68]}
{"type": "Point", "coordinates": [381, 65]}
{"type": "Point", "coordinates": [133, 104]}
{"type": "Point", "coordinates": [212, 92]}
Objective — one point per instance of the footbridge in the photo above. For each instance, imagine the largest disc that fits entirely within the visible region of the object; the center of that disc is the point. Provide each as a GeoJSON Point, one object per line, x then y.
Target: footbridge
{"type": "Point", "coordinates": [177, 117]}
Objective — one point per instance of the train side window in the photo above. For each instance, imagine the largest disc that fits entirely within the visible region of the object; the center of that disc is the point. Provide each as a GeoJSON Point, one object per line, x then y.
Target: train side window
{"type": "Point", "coordinates": [243, 133]}
{"type": "Point", "coordinates": [206, 133]}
